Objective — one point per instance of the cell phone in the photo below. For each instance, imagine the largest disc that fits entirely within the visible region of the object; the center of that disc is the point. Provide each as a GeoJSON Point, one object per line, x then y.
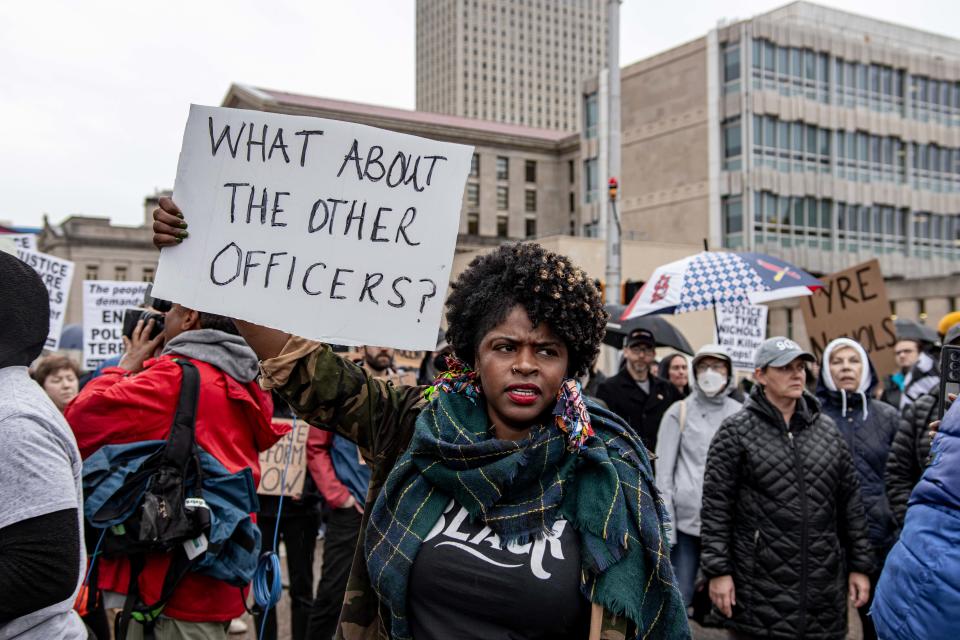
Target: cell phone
{"type": "Point", "coordinates": [949, 375]}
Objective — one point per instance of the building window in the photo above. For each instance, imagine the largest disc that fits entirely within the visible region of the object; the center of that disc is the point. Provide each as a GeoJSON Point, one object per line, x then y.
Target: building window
{"type": "Point", "coordinates": [92, 272]}
{"type": "Point", "coordinates": [790, 146]}
{"type": "Point", "coordinates": [120, 273]}
{"type": "Point", "coordinates": [732, 146]}
{"type": "Point", "coordinates": [731, 67]}
{"type": "Point", "coordinates": [503, 168]}
{"type": "Point", "coordinates": [793, 221]}
{"type": "Point", "coordinates": [148, 273]}
{"type": "Point", "coordinates": [590, 186]}
{"type": "Point", "coordinates": [790, 71]}
{"type": "Point", "coordinates": [530, 170]}
{"type": "Point", "coordinates": [475, 166]}
{"type": "Point", "coordinates": [863, 157]}
{"type": "Point", "coordinates": [935, 168]}
{"type": "Point", "coordinates": [473, 224]}
{"type": "Point", "coordinates": [732, 207]}
{"type": "Point", "coordinates": [503, 198]}
{"type": "Point", "coordinates": [591, 115]}
{"type": "Point", "coordinates": [573, 202]}
{"type": "Point", "coordinates": [530, 227]}
{"type": "Point", "coordinates": [473, 195]}
{"type": "Point", "coordinates": [530, 201]}
{"type": "Point", "coordinates": [502, 226]}
{"type": "Point", "coordinates": [570, 169]}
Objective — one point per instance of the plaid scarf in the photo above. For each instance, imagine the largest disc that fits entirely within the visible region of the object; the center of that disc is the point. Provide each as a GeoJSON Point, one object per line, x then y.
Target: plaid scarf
{"type": "Point", "coordinates": [592, 471]}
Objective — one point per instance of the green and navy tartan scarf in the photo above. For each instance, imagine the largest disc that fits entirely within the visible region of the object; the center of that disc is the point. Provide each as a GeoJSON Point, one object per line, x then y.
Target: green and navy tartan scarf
{"type": "Point", "coordinates": [596, 476]}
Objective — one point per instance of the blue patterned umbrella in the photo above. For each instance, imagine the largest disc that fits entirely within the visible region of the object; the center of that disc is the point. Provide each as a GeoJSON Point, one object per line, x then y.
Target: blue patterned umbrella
{"type": "Point", "coordinates": [712, 278]}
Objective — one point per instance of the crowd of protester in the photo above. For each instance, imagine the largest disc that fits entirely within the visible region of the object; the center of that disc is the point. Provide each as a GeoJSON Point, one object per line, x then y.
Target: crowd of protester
{"type": "Point", "coordinates": [786, 494]}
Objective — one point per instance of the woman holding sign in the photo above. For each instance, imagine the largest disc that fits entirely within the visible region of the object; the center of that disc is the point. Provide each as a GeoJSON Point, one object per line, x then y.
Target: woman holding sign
{"type": "Point", "coordinates": [501, 501]}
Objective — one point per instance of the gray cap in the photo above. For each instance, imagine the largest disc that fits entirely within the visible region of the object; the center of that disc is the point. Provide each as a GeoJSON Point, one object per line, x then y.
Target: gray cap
{"type": "Point", "coordinates": [779, 352]}
{"type": "Point", "coordinates": [953, 335]}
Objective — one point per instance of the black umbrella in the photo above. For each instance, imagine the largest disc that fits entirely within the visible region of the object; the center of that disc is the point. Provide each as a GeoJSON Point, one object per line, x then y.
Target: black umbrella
{"type": "Point", "coordinates": [665, 333]}
{"type": "Point", "coordinates": [912, 330]}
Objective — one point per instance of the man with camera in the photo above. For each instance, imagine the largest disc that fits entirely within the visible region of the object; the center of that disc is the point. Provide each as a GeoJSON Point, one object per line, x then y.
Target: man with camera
{"type": "Point", "coordinates": [135, 402]}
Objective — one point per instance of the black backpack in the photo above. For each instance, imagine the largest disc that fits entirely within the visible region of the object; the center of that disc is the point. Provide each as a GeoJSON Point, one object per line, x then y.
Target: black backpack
{"type": "Point", "coordinates": [169, 514]}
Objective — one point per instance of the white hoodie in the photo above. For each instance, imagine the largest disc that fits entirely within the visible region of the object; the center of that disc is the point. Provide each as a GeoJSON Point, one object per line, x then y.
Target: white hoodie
{"type": "Point", "coordinates": [682, 456]}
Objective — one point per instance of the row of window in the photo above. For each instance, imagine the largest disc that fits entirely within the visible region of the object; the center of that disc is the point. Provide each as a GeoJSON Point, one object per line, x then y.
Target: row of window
{"type": "Point", "coordinates": [793, 221]}
{"type": "Point", "coordinates": [860, 156]}
{"type": "Point", "coordinates": [503, 198]}
{"type": "Point", "coordinates": [503, 168]}
{"type": "Point", "coordinates": [503, 225]}
{"type": "Point", "coordinates": [795, 71]}
{"type": "Point", "coordinates": [120, 273]}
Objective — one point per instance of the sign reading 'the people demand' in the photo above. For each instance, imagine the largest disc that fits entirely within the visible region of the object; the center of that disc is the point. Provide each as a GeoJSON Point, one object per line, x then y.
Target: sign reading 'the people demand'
{"type": "Point", "coordinates": [104, 302]}
{"type": "Point", "coordinates": [742, 329]}
{"type": "Point", "coordinates": [329, 230]}
{"type": "Point", "coordinates": [853, 304]}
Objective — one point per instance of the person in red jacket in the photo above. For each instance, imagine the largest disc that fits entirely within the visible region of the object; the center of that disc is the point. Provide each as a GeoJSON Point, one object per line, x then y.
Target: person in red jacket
{"type": "Point", "coordinates": [136, 401]}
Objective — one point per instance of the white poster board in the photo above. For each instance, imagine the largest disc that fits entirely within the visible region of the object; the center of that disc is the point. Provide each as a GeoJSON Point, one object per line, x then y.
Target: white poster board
{"type": "Point", "coordinates": [57, 274]}
{"type": "Point", "coordinates": [26, 241]}
{"type": "Point", "coordinates": [742, 329]}
{"type": "Point", "coordinates": [104, 302]}
{"type": "Point", "coordinates": [326, 229]}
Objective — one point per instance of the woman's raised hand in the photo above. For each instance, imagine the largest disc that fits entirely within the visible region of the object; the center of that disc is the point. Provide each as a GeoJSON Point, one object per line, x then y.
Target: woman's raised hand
{"type": "Point", "coordinates": [169, 226]}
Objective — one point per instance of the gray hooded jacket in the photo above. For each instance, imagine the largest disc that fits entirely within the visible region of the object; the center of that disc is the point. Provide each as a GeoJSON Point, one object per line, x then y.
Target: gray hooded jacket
{"type": "Point", "coordinates": [682, 454]}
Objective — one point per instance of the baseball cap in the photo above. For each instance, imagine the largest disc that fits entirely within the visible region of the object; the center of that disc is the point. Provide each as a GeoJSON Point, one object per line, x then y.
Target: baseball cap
{"type": "Point", "coordinates": [780, 351]}
{"type": "Point", "coordinates": [641, 336]}
{"type": "Point", "coordinates": [953, 335]}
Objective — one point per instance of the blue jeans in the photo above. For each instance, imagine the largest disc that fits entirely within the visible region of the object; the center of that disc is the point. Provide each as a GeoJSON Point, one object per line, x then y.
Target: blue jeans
{"type": "Point", "coordinates": [685, 558]}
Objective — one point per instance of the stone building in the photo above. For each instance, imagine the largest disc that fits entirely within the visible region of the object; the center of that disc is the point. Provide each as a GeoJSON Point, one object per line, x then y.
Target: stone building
{"type": "Point", "coordinates": [520, 62]}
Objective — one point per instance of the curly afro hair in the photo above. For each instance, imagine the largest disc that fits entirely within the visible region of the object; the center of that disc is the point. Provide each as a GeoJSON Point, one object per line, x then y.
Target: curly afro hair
{"type": "Point", "coordinates": [546, 284]}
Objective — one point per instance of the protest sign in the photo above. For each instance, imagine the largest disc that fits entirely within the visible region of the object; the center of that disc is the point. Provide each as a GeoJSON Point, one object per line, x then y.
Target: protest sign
{"type": "Point", "coordinates": [853, 304]}
{"type": "Point", "coordinates": [26, 241]}
{"type": "Point", "coordinates": [326, 229]}
{"type": "Point", "coordinates": [104, 302]}
{"type": "Point", "coordinates": [57, 274]}
{"type": "Point", "coordinates": [741, 329]}
{"type": "Point", "coordinates": [273, 461]}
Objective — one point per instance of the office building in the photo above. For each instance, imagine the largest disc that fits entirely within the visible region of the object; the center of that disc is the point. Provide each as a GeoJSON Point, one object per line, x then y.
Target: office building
{"type": "Point", "coordinates": [513, 61]}
{"type": "Point", "coordinates": [819, 136]}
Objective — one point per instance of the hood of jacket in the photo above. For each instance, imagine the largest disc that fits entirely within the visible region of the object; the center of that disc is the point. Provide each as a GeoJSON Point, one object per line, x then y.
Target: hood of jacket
{"type": "Point", "coordinates": [711, 351]}
{"type": "Point", "coordinates": [808, 409]}
{"type": "Point", "coordinates": [827, 390]}
{"type": "Point", "coordinates": [225, 351]}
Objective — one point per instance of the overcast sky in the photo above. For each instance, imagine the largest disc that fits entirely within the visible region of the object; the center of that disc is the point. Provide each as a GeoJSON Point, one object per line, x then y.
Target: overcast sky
{"type": "Point", "coordinates": [94, 94]}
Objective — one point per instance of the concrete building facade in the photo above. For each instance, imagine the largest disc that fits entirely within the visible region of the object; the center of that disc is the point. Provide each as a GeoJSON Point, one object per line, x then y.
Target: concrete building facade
{"type": "Point", "coordinates": [819, 136]}
{"type": "Point", "coordinates": [514, 61]}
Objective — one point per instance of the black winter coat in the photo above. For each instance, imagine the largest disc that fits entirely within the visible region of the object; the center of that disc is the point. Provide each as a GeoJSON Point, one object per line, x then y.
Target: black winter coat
{"type": "Point", "coordinates": [909, 451]}
{"type": "Point", "coordinates": [782, 514]}
{"type": "Point", "coordinates": [869, 441]}
{"type": "Point", "coordinates": [642, 411]}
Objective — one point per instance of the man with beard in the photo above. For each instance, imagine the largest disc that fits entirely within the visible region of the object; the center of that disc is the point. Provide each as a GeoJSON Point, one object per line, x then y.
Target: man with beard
{"type": "Point", "coordinates": [343, 478]}
{"type": "Point", "coordinates": [635, 393]}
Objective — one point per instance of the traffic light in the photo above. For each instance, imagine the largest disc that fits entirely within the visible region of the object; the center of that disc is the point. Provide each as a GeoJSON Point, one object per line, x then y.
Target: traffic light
{"type": "Point", "coordinates": [612, 188]}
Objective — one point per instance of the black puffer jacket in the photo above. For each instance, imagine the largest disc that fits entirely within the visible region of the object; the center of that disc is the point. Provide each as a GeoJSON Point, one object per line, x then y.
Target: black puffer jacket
{"type": "Point", "coordinates": [909, 451]}
{"type": "Point", "coordinates": [782, 514]}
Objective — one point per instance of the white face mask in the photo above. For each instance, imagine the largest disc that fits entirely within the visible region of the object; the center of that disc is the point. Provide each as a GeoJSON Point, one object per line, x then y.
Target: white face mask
{"type": "Point", "coordinates": [711, 382]}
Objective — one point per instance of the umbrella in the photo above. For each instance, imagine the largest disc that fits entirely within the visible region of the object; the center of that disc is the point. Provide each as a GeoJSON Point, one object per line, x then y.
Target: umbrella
{"type": "Point", "coordinates": [663, 332]}
{"type": "Point", "coordinates": [912, 330]}
{"type": "Point", "coordinates": [710, 278]}
{"type": "Point", "coordinates": [71, 337]}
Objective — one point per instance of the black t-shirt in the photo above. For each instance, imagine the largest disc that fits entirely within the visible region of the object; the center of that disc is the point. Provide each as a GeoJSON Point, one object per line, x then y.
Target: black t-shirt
{"type": "Point", "coordinates": [464, 586]}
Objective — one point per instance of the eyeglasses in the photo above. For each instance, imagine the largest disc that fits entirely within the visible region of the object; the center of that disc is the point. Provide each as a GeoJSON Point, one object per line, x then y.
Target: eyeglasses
{"type": "Point", "coordinates": [639, 347]}
{"type": "Point", "coordinates": [703, 367]}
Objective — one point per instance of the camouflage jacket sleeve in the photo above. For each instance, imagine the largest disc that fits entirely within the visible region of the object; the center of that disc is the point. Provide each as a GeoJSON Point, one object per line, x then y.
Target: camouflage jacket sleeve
{"type": "Point", "coordinates": [332, 393]}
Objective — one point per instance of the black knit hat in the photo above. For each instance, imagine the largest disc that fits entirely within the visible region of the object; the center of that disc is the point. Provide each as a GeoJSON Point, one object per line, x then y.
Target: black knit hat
{"type": "Point", "coordinates": [24, 313]}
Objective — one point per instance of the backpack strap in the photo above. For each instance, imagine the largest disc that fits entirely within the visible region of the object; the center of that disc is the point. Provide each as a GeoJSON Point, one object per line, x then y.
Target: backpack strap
{"type": "Point", "coordinates": [181, 439]}
{"type": "Point", "coordinates": [683, 415]}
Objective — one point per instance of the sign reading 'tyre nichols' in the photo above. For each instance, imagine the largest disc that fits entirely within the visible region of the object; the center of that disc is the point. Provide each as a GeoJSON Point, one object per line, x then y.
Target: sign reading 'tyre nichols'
{"type": "Point", "coordinates": [853, 304]}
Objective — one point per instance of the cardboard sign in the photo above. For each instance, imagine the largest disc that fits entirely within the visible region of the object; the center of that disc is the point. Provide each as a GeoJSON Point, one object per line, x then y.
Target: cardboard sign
{"type": "Point", "coordinates": [57, 275]}
{"type": "Point", "coordinates": [742, 329]}
{"type": "Point", "coordinates": [853, 304]}
{"type": "Point", "coordinates": [104, 302]}
{"type": "Point", "coordinates": [274, 460]}
{"type": "Point", "coordinates": [326, 229]}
